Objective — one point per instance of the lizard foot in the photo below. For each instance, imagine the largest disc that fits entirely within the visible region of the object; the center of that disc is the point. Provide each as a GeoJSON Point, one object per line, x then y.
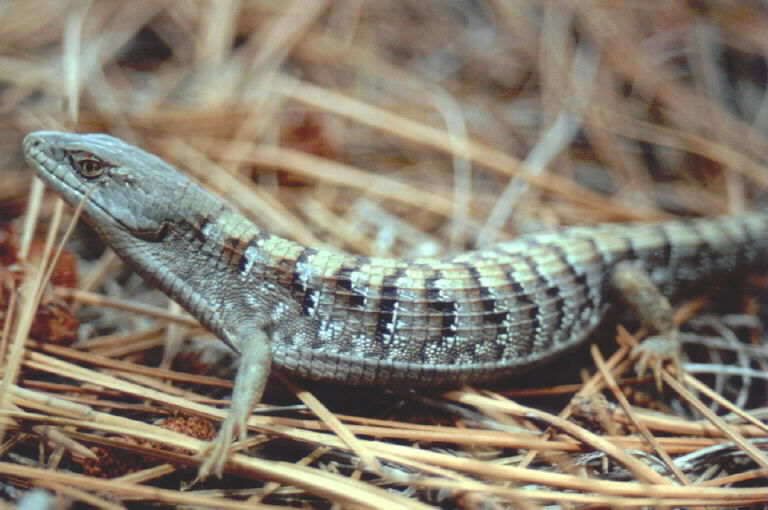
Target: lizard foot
{"type": "Point", "coordinates": [653, 352]}
{"type": "Point", "coordinates": [217, 453]}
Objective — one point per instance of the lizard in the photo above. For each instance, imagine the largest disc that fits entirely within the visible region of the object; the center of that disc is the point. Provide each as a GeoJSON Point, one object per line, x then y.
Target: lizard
{"type": "Point", "coordinates": [328, 315]}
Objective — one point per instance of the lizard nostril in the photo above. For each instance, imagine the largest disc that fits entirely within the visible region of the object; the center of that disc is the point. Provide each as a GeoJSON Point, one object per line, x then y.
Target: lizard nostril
{"type": "Point", "coordinates": [31, 141]}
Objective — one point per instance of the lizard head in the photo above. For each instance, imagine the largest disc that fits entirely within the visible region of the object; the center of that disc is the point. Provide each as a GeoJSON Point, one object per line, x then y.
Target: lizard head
{"type": "Point", "coordinates": [126, 190]}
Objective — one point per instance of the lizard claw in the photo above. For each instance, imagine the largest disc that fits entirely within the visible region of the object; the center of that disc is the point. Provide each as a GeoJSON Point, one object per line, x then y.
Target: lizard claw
{"type": "Point", "coordinates": [217, 452]}
{"type": "Point", "coordinates": [653, 352]}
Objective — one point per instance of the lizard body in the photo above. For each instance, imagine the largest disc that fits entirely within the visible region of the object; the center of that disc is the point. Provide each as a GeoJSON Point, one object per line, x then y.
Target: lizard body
{"type": "Point", "coordinates": [333, 316]}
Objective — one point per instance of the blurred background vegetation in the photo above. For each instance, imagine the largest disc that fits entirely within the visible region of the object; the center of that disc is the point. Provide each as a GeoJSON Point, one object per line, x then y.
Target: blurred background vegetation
{"type": "Point", "coordinates": [467, 118]}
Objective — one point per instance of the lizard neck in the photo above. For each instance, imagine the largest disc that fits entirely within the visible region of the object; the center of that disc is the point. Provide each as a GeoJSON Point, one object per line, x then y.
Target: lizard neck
{"type": "Point", "coordinates": [215, 235]}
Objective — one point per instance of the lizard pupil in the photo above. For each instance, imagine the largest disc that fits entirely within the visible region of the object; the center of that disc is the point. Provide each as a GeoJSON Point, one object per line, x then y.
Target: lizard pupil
{"type": "Point", "coordinates": [89, 167]}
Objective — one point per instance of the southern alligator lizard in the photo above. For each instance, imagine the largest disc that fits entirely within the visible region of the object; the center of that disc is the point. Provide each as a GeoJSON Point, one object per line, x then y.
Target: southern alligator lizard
{"type": "Point", "coordinates": [334, 316]}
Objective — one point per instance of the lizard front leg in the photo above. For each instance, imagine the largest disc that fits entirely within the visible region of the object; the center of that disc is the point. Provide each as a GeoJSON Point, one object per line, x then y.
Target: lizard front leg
{"type": "Point", "coordinates": [252, 374]}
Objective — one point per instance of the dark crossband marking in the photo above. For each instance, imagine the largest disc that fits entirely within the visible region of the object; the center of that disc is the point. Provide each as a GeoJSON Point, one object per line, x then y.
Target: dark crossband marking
{"type": "Point", "coordinates": [233, 253]}
{"type": "Point", "coordinates": [488, 300]}
{"type": "Point", "coordinates": [663, 257]}
{"type": "Point", "coordinates": [541, 337]}
{"type": "Point", "coordinates": [387, 308]}
{"type": "Point", "coordinates": [573, 283]}
{"type": "Point", "coordinates": [301, 281]}
{"type": "Point", "coordinates": [703, 255]}
{"type": "Point", "coordinates": [354, 298]}
{"type": "Point", "coordinates": [309, 301]}
{"type": "Point", "coordinates": [199, 227]}
{"type": "Point", "coordinates": [493, 312]}
{"type": "Point", "coordinates": [252, 252]}
{"type": "Point", "coordinates": [438, 300]}
{"type": "Point", "coordinates": [526, 313]}
{"type": "Point", "coordinates": [600, 268]}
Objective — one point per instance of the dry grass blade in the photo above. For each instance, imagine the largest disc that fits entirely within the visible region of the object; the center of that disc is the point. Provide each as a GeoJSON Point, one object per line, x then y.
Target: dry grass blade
{"type": "Point", "coordinates": [754, 453]}
{"type": "Point", "coordinates": [644, 431]}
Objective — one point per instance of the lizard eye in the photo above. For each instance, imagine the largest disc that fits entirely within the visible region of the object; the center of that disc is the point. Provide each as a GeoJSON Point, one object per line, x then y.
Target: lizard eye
{"type": "Point", "coordinates": [87, 164]}
{"type": "Point", "coordinates": [90, 168]}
